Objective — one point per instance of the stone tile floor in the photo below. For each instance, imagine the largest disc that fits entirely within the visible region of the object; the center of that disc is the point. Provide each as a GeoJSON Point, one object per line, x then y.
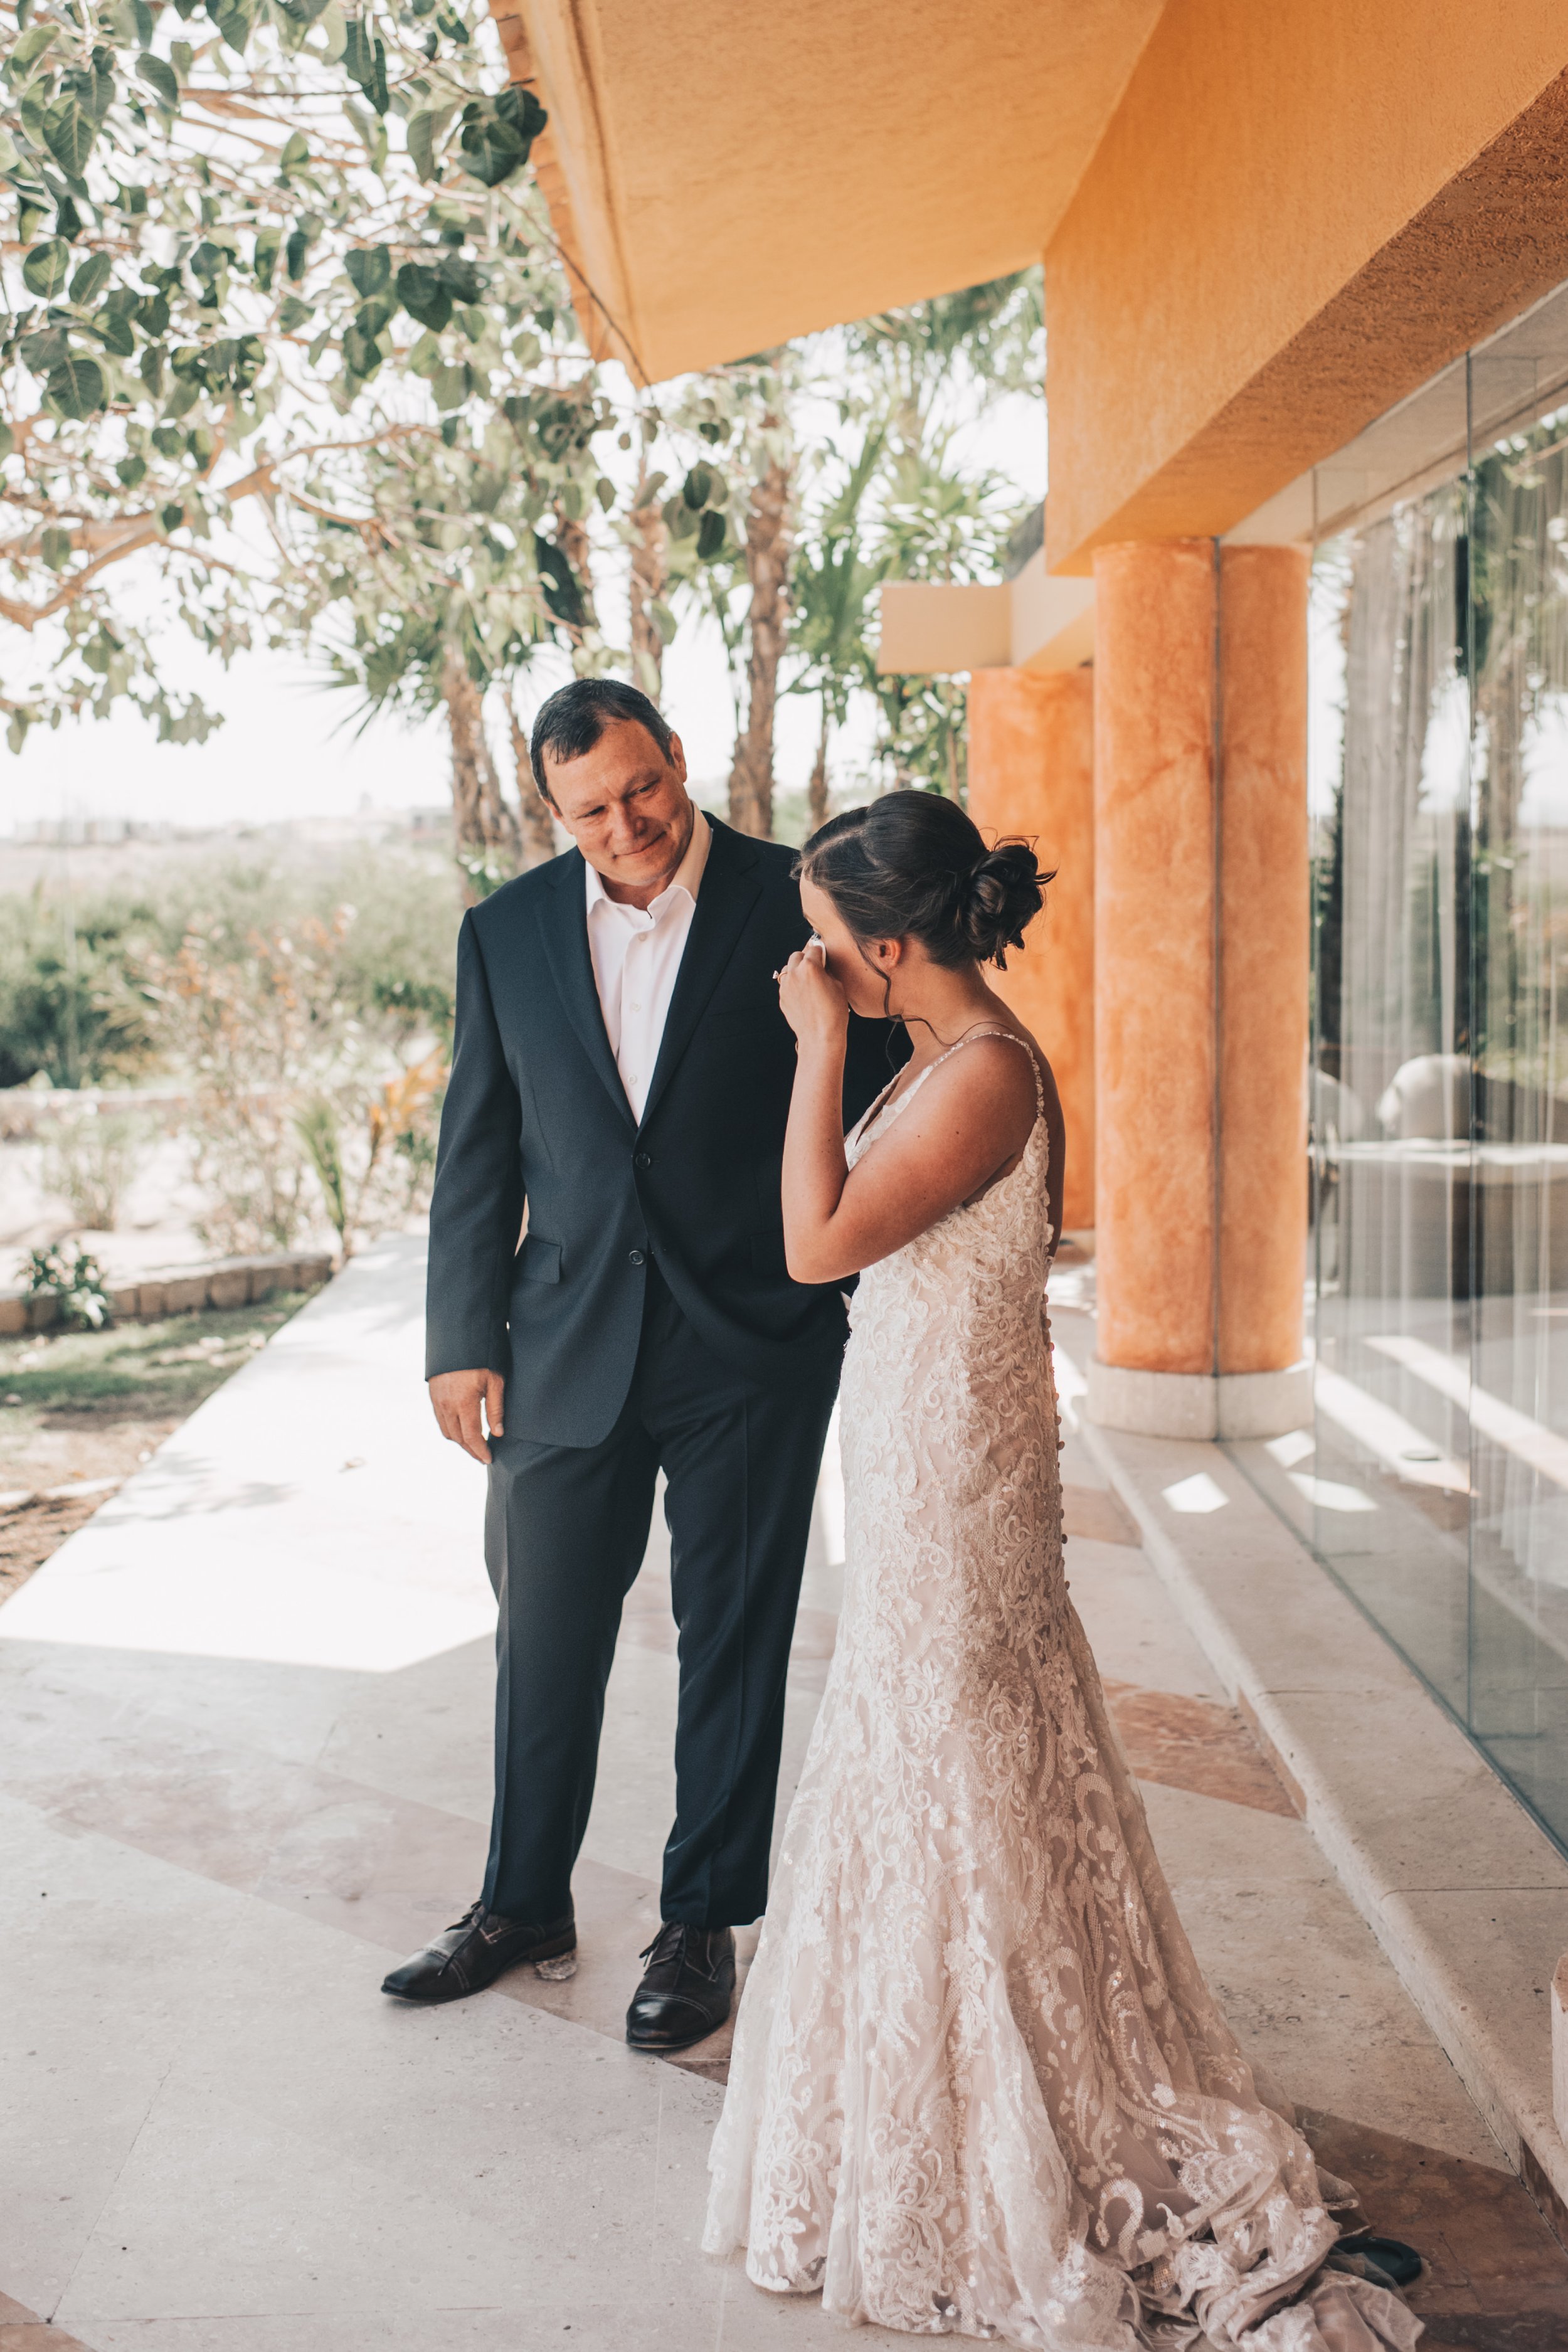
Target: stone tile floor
{"type": "Point", "coordinates": [244, 1760]}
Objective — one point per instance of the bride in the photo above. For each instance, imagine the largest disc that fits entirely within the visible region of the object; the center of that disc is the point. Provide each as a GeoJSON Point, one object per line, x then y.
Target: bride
{"type": "Point", "coordinates": [979, 2085]}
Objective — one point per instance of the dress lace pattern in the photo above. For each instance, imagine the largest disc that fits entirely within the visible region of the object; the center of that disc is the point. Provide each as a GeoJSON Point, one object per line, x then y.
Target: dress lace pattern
{"type": "Point", "coordinates": [979, 2085]}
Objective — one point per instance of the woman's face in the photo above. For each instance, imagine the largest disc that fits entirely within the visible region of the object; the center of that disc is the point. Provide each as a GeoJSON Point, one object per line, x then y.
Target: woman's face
{"type": "Point", "coordinates": [860, 968]}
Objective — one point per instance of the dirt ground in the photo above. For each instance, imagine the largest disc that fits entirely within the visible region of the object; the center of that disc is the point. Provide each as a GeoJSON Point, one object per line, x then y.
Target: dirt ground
{"type": "Point", "coordinates": [80, 1410]}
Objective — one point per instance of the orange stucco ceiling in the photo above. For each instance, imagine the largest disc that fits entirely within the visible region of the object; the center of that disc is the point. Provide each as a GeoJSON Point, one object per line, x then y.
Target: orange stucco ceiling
{"type": "Point", "coordinates": [727, 175]}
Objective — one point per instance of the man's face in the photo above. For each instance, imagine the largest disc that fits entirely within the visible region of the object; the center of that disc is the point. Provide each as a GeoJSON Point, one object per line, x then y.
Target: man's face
{"type": "Point", "coordinates": [626, 808]}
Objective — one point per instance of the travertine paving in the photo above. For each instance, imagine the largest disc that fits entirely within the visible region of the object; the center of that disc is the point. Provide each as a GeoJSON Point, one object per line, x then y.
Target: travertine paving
{"type": "Point", "coordinates": [245, 1758]}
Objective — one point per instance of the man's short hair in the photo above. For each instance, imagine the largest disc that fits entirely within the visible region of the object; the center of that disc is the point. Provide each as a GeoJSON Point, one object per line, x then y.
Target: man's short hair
{"type": "Point", "coordinates": [575, 717]}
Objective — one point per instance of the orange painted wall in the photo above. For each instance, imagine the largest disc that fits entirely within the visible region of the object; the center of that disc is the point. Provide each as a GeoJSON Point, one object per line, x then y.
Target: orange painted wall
{"type": "Point", "coordinates": [1031, 771]}
{"type": "Point", "coordinates": [1265, 950]}
{"type": "Point", "coordinates": [1153, 942]}
{"type": "Point", "coordinates": [1216, 312]}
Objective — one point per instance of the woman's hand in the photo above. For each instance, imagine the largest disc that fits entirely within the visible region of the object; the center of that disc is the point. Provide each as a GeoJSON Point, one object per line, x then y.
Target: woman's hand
{"type": "Point", "coordinates": [811, 1000]}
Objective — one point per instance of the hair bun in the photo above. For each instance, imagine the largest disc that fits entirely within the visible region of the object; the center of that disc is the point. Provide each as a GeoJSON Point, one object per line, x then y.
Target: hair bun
{"type": "Point", "coordinates": [1000, 896]}
{"type": "Point", "coordinates": [914, 865]}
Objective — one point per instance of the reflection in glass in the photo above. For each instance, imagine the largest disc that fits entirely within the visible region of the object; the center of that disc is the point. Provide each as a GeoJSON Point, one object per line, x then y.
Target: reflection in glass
{"type": "Point", "coordinates": [1518, 1398]}
{"type": "Point", "coordinates": [1435, 1479]}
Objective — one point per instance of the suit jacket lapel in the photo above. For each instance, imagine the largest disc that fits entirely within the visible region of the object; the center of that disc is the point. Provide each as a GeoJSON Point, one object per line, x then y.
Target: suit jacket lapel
{"type": "Point", "coordinates": [732, 885]}
{"type": "Point", "coordinates": [563, 919]}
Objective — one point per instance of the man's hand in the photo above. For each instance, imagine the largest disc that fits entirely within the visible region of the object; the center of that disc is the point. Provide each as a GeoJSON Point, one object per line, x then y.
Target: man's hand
{"type": "Point", "coordinates": [456, 1399]}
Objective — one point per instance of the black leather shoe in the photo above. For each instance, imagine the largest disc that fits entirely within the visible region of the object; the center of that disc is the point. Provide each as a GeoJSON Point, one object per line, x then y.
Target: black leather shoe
{"type": "Point", "coordinates": [687, 1988]}
{"type": "Point", "coordinates": [475, 1949]}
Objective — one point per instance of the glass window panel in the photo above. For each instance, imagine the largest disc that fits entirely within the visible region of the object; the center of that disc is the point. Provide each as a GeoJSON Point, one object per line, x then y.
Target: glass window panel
{"type": "Point", "coordinates": [1390, 1095]}
{"type": "Point", "coordinates": [1519, 1534]}
{"type": "Point", "coordinates": [1434, 1480]}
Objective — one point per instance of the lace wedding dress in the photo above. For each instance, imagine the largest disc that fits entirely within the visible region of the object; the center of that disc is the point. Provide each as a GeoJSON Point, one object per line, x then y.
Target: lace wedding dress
{"type": "Point", "coordinates": [979, 2085]}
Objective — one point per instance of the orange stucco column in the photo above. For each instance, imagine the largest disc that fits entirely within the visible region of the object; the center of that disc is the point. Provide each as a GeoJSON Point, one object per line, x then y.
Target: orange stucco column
{"type": "Point", "coordinates": [1265, 954]}
{"type": "Point", "coordinates": [1031, 771]}
{"type": "Point", "coordinates": [1154, 1002]}
{"type": "Point", "coordinates": [1200, 987]}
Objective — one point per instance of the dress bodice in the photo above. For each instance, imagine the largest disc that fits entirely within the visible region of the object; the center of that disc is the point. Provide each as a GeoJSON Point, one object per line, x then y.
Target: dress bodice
{"type": "Point", "coordinates": [947, 1402]}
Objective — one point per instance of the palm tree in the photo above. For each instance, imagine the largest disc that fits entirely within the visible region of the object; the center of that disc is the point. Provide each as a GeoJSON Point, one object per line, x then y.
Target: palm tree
{"type": "Point", "coordinates": [833, 586]}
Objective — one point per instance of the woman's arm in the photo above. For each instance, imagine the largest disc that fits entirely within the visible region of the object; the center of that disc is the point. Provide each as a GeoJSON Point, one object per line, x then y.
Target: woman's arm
{"type": "Point", "coordinates": [972, 1119]}
{"type": "Point", "coordinates": [815, 1167]}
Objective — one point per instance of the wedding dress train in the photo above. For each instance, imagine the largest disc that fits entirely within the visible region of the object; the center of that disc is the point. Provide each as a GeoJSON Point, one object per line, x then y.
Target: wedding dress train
{"type": "Point", "coordinates": [979, 2085]}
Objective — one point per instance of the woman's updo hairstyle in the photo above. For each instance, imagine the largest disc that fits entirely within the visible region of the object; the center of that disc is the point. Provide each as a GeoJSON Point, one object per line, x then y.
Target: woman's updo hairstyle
{"type": "Point", "coordinates": [912, 866]}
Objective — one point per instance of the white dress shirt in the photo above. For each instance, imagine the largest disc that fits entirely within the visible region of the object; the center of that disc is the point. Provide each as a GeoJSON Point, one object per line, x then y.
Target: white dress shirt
{"type": "Point", "coordinates": [637, 957]}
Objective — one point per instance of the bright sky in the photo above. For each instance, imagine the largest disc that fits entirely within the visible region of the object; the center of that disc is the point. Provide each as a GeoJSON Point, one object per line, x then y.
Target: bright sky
{"type": "Point", "coordinates": [287, 751]}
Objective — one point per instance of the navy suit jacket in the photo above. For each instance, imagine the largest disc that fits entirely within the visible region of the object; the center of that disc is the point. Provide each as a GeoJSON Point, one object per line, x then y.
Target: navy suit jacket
{"type": "Point", "coordinates": [536, 1117]}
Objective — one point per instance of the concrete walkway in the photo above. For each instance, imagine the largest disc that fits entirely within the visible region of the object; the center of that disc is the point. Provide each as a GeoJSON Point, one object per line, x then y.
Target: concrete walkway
{"type": "Point", "coordinates": [245, 1762]}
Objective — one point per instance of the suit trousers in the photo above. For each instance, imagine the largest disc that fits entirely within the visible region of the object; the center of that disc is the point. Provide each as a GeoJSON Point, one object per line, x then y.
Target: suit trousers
{"type": "Point", "coordinates": [566, 1528]}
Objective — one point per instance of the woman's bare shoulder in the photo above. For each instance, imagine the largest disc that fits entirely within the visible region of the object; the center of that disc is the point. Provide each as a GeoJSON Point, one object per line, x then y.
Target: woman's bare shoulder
{"type": "Point", "coordinates": [994, 1071]}
{"type": "Point", "coordinates": [1037, 1055]}
{"type": "Point", "coordinates": [1009, 1047]}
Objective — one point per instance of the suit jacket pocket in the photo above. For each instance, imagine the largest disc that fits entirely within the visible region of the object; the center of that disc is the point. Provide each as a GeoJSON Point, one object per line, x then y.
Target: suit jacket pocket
{"type": "Point", "coordinates": [541, 1260]}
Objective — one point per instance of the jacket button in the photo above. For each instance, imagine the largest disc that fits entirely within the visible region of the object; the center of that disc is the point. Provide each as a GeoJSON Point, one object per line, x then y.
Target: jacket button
{"type": "Point", "coordinates": [635, 1257]}
{"type": "Point", "coordinates": [643, 1160]}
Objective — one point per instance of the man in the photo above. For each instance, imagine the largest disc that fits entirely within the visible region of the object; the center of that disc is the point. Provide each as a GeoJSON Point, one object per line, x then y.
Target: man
{"type": "Point", "coordinates": [622, 1074]}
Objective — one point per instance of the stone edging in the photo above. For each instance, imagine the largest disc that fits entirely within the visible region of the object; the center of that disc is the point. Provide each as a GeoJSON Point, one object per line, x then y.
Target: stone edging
{"type": "Point", "coordinates": [1464, 1891]}
{"type": "Point", "coordinates": [232, 1282]}
{"type": "Point", "coordinates": [26, 1113]}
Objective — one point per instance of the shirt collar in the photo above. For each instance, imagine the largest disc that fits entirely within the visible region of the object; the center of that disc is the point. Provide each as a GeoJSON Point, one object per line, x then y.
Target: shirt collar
{"type": "Point", "coordinates": [687, 875]}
